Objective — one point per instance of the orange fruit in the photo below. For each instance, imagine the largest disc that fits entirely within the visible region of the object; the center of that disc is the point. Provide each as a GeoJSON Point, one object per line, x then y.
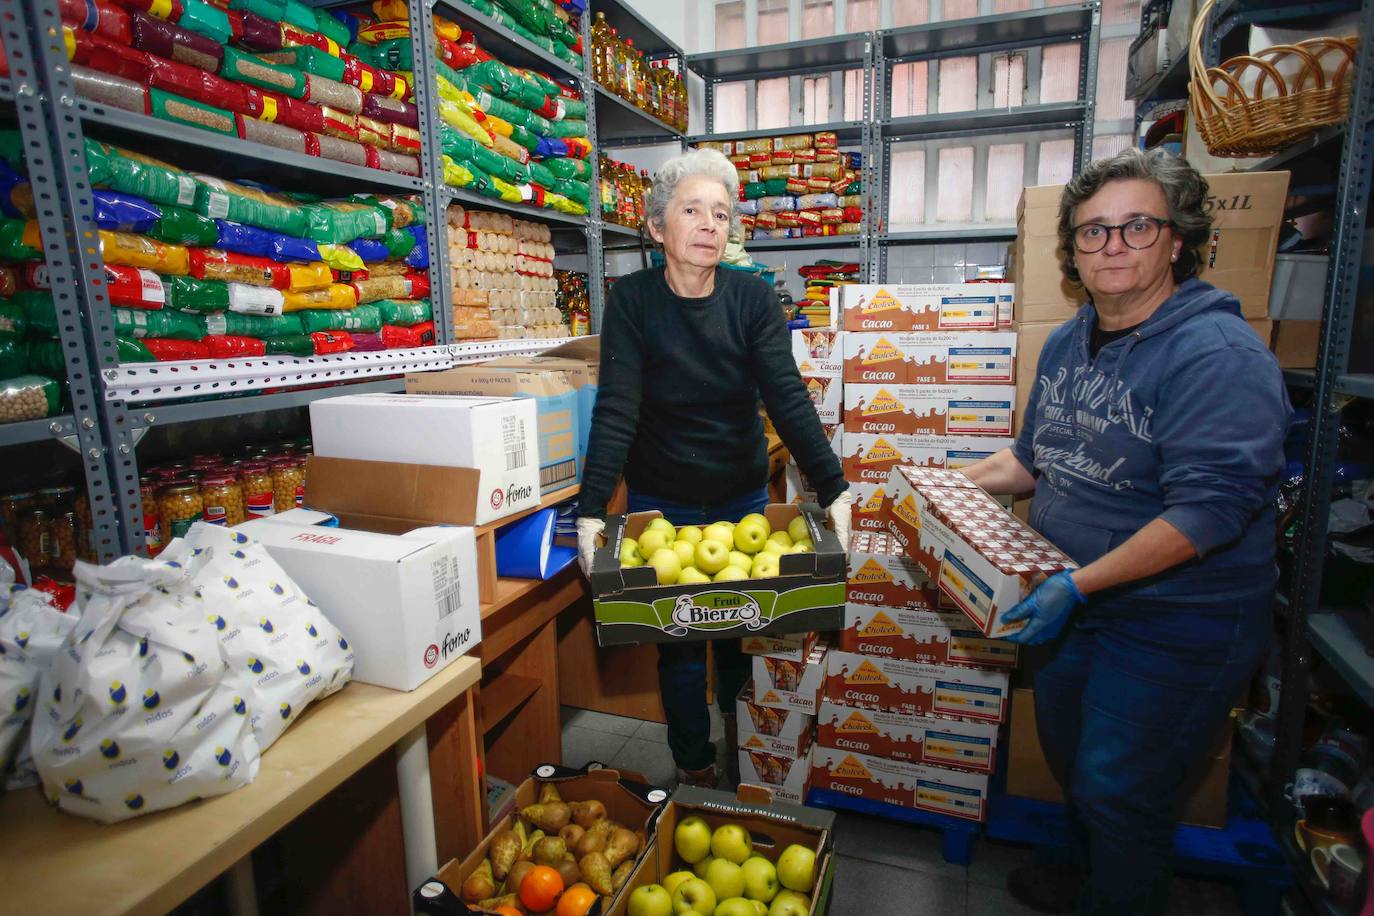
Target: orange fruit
{"type": "Point", "coordinates": [576, 900]}
{"type": "Point", "coordinates": [506, 909]}
{"type": "Point", "coordinates": [540, 888]}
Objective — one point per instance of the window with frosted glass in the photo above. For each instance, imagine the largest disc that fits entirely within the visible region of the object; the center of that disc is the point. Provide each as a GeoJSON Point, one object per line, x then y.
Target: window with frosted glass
{"type": "Point", "coordinates": [861, 16]}
{"type": "Point", "coordinates": [853, 95]}
{"type": "Point", "coordinates": [1112, 104]}
{"type": "Point", "coordinates": [1056, 162]}
{"type": "Point", "coordinates": [910, 12]}
{"type": "Point", "coordinates": [816, 100]}
{"type": "Point", "coordinates": [1005, 179]}
{"type": "Point", "coordinates": [909, 89]}
{"type": "Point", "coordinates": [1111, 144]}
{"type": "Point", "coordinates": [773, 103]}
{"type": "Point", "coordinates": [818, 19]}
{"type": "Point", "coordinates": [1008, 80]}
{"type": "Point", "coordinates": [731, 113]}
{"type": "Point", "coordinates": [958, 87]}
{"type": "Point", "coordinates": [906, 189]}
{"type": "Point", "coordinates": [729, 26]}
{"type": "Point", "coordinates": [954, 200]}
{"type": "Point", "coordinates": [958, 9]}
{"type": "Point", "coordinates": [1059, 73]}
{"type": "Point", "coordinates": [772, 22]}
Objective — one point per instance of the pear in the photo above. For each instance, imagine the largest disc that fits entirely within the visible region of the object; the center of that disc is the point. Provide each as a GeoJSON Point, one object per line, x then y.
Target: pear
{"type": "Point", "coordinates": [622, 873]}
{"type": "Point", "coordinates": [504, 850]}
{"type": "Point", "coordinates": [480, 884]}
{"type": "Point", "coordinates": [549, 817]}
{"type": "Point", "coordinates": [586, 813]}
{"type": "Point", "coordinates": [596, 871]}
{"type": "Point", "coordinates": [571, 834]}
{"type": "Point", "coordinates": [491, 903]}
{"type": "Point", "coordinates": [589, 843]}
{"type": "Point", "coordinates": [519, 827]}
{"type": "Point", "coordinates": [621, 846]}
{"type": "Point", "coordinates": [569, 871]}
{"type": "Point", "coordinates": [517, 874]}
{"type": "Point", "coordinates": [548, 792]}
{"type": "Point", "coordinates": [528, 849]}
{"type": "Point", "coordinates": [549, 851]}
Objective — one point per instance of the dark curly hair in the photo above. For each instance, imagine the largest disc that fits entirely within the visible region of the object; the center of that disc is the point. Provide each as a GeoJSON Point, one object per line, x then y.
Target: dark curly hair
{"type": "Point", "coordinates": [1184, 189]}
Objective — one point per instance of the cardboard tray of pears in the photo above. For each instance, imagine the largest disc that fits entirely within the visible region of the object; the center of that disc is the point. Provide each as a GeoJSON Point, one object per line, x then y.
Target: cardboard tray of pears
{"type": "Point", "coordinates": [807, 594]}
{"type": "Point", "coordinates": [634, 805]}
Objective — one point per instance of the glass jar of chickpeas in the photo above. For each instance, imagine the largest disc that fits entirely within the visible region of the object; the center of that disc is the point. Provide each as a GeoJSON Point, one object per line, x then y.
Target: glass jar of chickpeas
{"type": "Point", "coordinates": [37, 542]}
{"type": "Point", "coordinates": [288, 482]}
{"type": "Point", "coordinates": [64, 530]}
{"type": "Point", "coordinates": [12, 507]}
{"type": "Point", "coordinates": [153, 537]}
{"type": "Point", "coordinates": [57, 499]}
{"type": "Point", "coordinates": [179, 506]}
{"type": "Point", "coordinates": [222, 498]}
{"type": "Point", "coordinates": [85, 530]}
{"type": "Point", "coordinates": [256, 480]}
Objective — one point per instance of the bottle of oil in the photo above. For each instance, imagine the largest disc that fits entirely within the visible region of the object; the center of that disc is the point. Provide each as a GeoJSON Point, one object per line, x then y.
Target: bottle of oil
{"type": "Point", "coordinates": [680, 101]}
{"type": "Point", "coordinates": [646, 187]}
{"type": "Point", "coordinates": [667, 96]}
{"type": "Point", "coordinates": [627, 73]}
{"type": "Point", "coordinates": [642, 81]}
{"type": "Point", "coordinates": [606, 188]}
{"type": "Point", "coordinates": [629, 189]}
{"type": "Point", "coordinates": [601, 43]}
{"type": "Point", "coordinates": [615, 77]}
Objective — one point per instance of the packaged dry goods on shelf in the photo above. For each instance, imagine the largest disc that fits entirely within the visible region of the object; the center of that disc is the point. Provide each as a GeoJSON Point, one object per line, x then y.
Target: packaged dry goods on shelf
{"type": "Point", "coordinates": [541, 22]}
{"type": "Point", "coordinates": [510, 262]}
{"type": "Point", "coordinates": [649, 85]}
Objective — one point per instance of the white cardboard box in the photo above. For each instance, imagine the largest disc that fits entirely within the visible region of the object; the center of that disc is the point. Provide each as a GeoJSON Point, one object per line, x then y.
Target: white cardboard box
{"type": "Point", "coordinates": [817, 350]}
{"type": "Point", "coordinates": [897, 782]}
{"type": "Point", "coordinates": [958, 743]}
{"type": "Point", "coordinates": [869, 507]}
{"type": "Point", "coordinates": [783, 684]}
{"type": "Point", "coordinates": [920, 307]}
{"type": "Point", "coordinates": [939, 636]}
{"type": "Point", "coordinates": [930, 410]}
{"type": "Point", "coordinates": [785, 776]}
{"type": "Point", "coordinates": [794, 647]}
{"type": "Point", "coordinates": [869, 458]}
{"type": "Point", "coordinates": [917, 689]}
{"type": "Point", "coordinates": [408, 602]}
{"type": "Point", "coordinates": [785, 732]}
{"type": "Point", "coordinates": [930, 358]}
{"type": "Point", "coordinates": [496, 436]}
{"type": "Point", "coordinates": [826, 392]}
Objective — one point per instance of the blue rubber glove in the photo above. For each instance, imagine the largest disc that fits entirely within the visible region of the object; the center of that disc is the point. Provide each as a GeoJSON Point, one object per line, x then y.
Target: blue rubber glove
{"type": "Point", "coordinates": [1047, 609]}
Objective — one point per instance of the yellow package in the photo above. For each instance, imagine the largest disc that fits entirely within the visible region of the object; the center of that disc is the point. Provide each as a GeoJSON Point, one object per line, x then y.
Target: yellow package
{"type": "Point", "coordinates": [125, 249]}
{"type": "Point", "coordinates": [340, 257]}
{"type": "Point", "coordinates": [795, 141]}
{"type": "Point", "coordinates": [510, 149]}
{"type": "Point", "coordinates": [385, 31]}
{"type": "Point", "coordinates": [509, 192]}
{"type": "Point", "coordinates": [498, 126]}
{"type": "Point", "coordinates": [822, 170]}
{"type": "Point", "coordinates": [455, 175]}
{"type": "Point", "coordinates": [779, 171]}
{"type": "Point", "coordinates": [309, 276]}
{"type": "Point", "coordinates": [31, 236]}
{"type": "Point", "coordinates": [442, 27]}
{"type": "Point", "coordinates": [757, 145]}
{"type": "Point", "coordinates": [826, 139]}
{"type": "Point", "coordinates": [334, 296]}
{"type": "Point", "coordinates": [390, 9]}
{"type": "Point", "coordinates": [455, 115]}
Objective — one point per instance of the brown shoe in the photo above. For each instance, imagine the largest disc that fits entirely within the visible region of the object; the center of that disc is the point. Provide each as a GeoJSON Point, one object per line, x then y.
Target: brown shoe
{"type": "Point", "coordinates": [704, 778]}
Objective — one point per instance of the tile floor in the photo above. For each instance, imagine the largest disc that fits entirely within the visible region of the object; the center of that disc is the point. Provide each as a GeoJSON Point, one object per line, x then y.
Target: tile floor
{"type": "Point", "coordinates": [883, 867]}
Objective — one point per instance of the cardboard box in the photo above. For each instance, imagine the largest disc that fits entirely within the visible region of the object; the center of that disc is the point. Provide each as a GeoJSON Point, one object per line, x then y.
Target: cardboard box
{"type": "Point", "coordinates": [868, 458]}
{"type": "Point", "coordinates": [881, 574]}
{"type": "Point", "coordinates": [425, 581]}
{"type": "Point", "coordinates": [817, 351]}
{"type": "Point", "coordinates": [916, 689]}
{"type": "Point", "coordinates": [826, 392]}
{"type": "Point", "coordinates": [785, 732]}
{"type": "Point", "coordinates": [1006, 306]}
{"type": "Point", "coordinates": [869, 508]}
{"type": "Point", "coordinates": [631, 803]}
{"type": "Point", "coordinates": [1029, 776]}
{"type": "Point", "coordinates": [964, 410]}
{"type": "Point", "coordinates": [555, 401]}
{"type": "Point", "coordinates": [785, 776]}
{"type": "Point", "coordinates": [773, 824]}
{"type": "Point", "coordinates": [494, 437]}
{"type": "Point", "coordinates": [924, 358]}
{"type": "Point", "coordinates": [920, 307]}
{"type": "Point", "coordinates": [955, 743]}
{"type": "Point", "coordinates": [580, 364]}
{"type": "Point", "coordinates": [938, 637]}
{"type": "Point", "coordinates": [895, 782]}
{"type": "Point", "coordinates": [794, 647]}
{"type": "Point", "coordinates": [631, 607]}
{"type": "Point", "coordinates": [782, 684]}
{"type": "Point", "coordinates": [980, 555]}
{"type": "Point", "coordinates": [1031, 337]}
{"type": "Point", "coordinates": [1295, 343]}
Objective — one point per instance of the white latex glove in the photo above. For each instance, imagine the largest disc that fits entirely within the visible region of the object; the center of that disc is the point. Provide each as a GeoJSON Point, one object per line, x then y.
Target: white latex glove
{"type": "Point", "coordinates": [588, 532]}
{"type": "Point", "coordinates": [839, 514]}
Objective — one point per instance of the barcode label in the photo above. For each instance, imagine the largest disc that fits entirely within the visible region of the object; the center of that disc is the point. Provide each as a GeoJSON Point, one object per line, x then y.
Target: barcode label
{"type": "Point", "coordinates": [447, 588]}
{"type": "Point", "coordinates": [449, 602]}
{"type": "Point", "coordinates": [561, 473]}
{"type": "Point", "coordinates": [515, 458]}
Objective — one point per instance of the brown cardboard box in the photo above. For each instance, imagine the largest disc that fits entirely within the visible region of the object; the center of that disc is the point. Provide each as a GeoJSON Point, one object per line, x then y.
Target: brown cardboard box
{"type": "Point", "coordinates": [868, 458]}
{"type": "Point", "coordinates": [895, 782]}
{"type": "Point", "coordinates": [869, 508]}
{"type": "Point", "coordinates": [938, 637]}
{"type": "Point", "coordinates": [1028, 775]}
{"type": "Point", "coordinates": [930, 358]}
{"type": "Point", "coordinates": [1030, 340]}
{"type": "Point", "coordinates": [917, 689]}
{"type": "Point", "coordinates": [960, 744]}
{"type": "Point", "coordinates": [927, 410]}
{"type": "Point", "coordinates": [1295, 343]}
{"type": "Point", "coordinates": [882, 575]}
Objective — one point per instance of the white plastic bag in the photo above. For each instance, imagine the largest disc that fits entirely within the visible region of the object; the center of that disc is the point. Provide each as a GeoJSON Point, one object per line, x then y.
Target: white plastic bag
{"type": "Point", "coordinates": [32, 629]}
{"type": "Point", "coordinates": [137, 712]}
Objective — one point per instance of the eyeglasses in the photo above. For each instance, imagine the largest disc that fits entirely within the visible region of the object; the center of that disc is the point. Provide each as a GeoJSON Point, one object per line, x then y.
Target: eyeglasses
{"type": "Point", "coordinates": [1141, 232]}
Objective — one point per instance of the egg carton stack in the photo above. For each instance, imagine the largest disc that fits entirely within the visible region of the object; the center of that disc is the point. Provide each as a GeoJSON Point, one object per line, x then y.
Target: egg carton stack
{"type": "Point", "coordinates": [269, 71]}
{"type": "Point", "coordinates": [197, 267]}
{"type": "Point", "coordinates": [553, 27]}
{"type": "Point", "coordinates": [796, 186]}
{"type": "Point", "coordinates": [503, 279]}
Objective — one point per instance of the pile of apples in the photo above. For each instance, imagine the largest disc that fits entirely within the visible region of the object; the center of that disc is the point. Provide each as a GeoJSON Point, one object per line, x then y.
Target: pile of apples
{"type": "Point", "coordinates": [727, 877]}
{"type": "Point", "coordinates": [556, 858]}
{"type": "Point", "coordinates": [720, 552]}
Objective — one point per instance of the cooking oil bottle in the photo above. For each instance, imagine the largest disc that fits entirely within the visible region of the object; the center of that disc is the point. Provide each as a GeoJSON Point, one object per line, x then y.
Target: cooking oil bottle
{"type": "Point", "coordinates": [601, 44]}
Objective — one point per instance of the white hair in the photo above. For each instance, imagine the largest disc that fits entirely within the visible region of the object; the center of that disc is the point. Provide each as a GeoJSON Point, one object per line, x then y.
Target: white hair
{"type": "Point", "coordinates": [705, 162]}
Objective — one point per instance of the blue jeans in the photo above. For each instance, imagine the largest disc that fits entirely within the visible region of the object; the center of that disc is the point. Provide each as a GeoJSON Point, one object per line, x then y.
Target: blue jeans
{"type": "Point", "coordinates": [682, 665]}
{"type": "Point", "coordinates": [1128, 711]}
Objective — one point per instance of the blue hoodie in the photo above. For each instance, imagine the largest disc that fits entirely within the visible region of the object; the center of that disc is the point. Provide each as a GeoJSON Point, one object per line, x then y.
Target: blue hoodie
{"type": "Point", "coordinates": [1183, 419]}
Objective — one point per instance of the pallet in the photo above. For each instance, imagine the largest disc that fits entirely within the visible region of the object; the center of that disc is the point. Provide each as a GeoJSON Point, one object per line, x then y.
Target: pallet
{"type": "Point", "coordinates": [958, 836]}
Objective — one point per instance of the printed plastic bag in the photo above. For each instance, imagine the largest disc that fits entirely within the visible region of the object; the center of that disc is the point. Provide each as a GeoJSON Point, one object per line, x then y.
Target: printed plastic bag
{"type": "Point", "coordinates": [32, 629]}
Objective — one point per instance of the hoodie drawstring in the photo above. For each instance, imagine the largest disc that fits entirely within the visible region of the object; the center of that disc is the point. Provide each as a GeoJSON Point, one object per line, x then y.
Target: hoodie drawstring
{"type": "Point", "coordinates": [1112, 413]}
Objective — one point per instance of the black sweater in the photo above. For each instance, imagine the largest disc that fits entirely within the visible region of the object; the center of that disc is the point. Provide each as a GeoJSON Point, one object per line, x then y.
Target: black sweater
{"type": "Point", "coordinates": [677, 409]}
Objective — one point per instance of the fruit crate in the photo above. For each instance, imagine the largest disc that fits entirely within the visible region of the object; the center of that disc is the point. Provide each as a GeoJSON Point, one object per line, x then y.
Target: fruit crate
{"type": "Point", "coordinates": [633, 804]}
{"type": "Point", "coordinates": [773, 826]}
{"type": "Point", "coordinates": [807, 593]}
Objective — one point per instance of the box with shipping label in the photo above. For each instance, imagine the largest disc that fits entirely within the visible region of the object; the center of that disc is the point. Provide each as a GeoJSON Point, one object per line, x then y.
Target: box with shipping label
{"type": "Point", "coordinates": [579, 361]}
{"type": "Point", "coordinates": [817, 351]}
{"type": "Point", "coordinates": [826, 393]}
{"type": "Point", "coordinates": [982, 557]}
{"type": "Point", "coordinates": [919, 307]}
{"type": "Point", "coordinates": [782, 684]}
{"type": "Point", "coordinates": [805, 593]}
{"type": "Point", "coordinates": [783, 775]}
{"type": "Point", "coordinates": [882, 575]}
{"type": "Point", "coordinates": [794, 647]}
{"type": "Point", "coordinates": [424, 580]}
{"type": "Point", "coordinates": [939, 637]}
{"type": "Point", "coordinates": [940, 358]}
{"type": "Point", "coordinates": [956, 743]}
{"type": "Point", "coordinates": [555, 401]}
{"type": "Point", "coordinates": [917, 689]}
{"type": "Point", "coordinates": [495, 438]}
{"type": "Point", "coordinates": [869, 458]}
{"type": "Point", "coordinates": [786, 732]}
{"type": "Point", "coordinates": [930, 410]}
{"type": "Point", "coordinates": [1295, 343]}
{"type": "Point", "coordinates": [896, 782]}
{"type": "Point", "coordinates": [869, 507]}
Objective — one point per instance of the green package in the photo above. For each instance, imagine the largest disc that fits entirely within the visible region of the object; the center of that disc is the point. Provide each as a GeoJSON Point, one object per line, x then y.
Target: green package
{"type": "Point", "coordinates": [13, 389]}
{"type": "Point", "coordinates": [392, 54]}
{"type": "Point", "coordinates": [566, 129]}
{"type": "Point", "coordinates": [573, 109]}
{"type": "Point", "coordinates": [404, 312]}
{"type": "Point", "coordinates": [161, 323]}
{"type": "Point", "coordinates": [131, 350]}
{"type": "Point", "coordinates": [775, 187]}
{"type": "Point", "coordinates": [340, 222]}
{"type": "Point", "coordinates": [14, 319]}
{"type": "Point", "coordinates": [567, 55]}
{"type": "Point", "coordinates": [168, 107]}
{"type": "Point", "coordinates": [300, 15]}
{"type": "Point", "coordinates": [207, 20]}
{"type": "Point", "coordinates": [39, 309]}
{"type": "Point", "coordinates": [260, 326]}
{"type": "Point", "coordinates": [755, 189]}
{"type": "Point", "coordinates": [12, 247]}
{"type": "Point", "coordinates": [187, 294]}
{"type": "Point", "coordinates": [482, 6]}
{"type": "Point", "coordinates": [290, 345]}
{"type": "Point", "coordinates": [330, 27]}
{"type": "Point", "coordinates": [569, 168]}
{"type": "Point", "coordinates": [133, 173]}
{"type": "Point", "coordinates": [180, 226]}
{"type": "Point", "coordinates": [271, 10]}
{"type": "Point", "coordinates": [12, 150]}
{"type": "Point", "coordinates": [525, 137]}
{"type": "Point", "coordinates": [219, 199]}
{"type": "Point", "coordinates": [44, 354]}
{"type": "Point", "coordinates": [309, 60]}
{"type": "Point", "coordinates": [243, 67]}
{"type": "Point", "coordinates": [575, 190]}
{"type": "Point", "coordinates": [398, 244]}
{"type": "Point", "coordinates": [14, 358]}
{"type": "Point", "coordinates": [366, 318]}
{"type": "Point", "coordinates": [541, 175]}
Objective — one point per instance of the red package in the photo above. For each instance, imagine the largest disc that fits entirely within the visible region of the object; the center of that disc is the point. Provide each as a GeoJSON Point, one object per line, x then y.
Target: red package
{"type": "Point", "coordinates": [289, 112]}
{"type": "Point", "coordinates": [232, 267]}
{"type": "Point", "coordinates": [166, 39]}
{"type": "Point", "coordinates": [853, 214]}
{"type": "Point", "coordinates": [327, 342]}
{"type": "Point", "coordinates": [395, 337]}
{"type": "Point", "coordinates": [164, 349]}
{"type": "Point", "coordinates": [223, 93]}
{"type": "Point", "coordinates": [4, 61]}
{"type": "Point", "coordinates": [99, 17]}
{"type": "Point", "coordinates": [178, 79]}
{"type": "Point", "coordinates": [62, 595]}
{"type": "Point", "coordinates": [99, 53]}
{"type": "Point", "coordinates": [258, 34]}
{"type": "Point", "coordinates": [419, 285]}
{"type": "Point", "coordinates": [228, 346]}
{"type": "Point", "coordinates": [293, 37]}
{"type": "Point", "coordinates": [135, 288]}
{"type": "Point", "coordinates": [457, 56]}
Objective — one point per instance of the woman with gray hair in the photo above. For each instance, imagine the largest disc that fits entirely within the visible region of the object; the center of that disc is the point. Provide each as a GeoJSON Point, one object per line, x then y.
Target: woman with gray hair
{"type": "Point", "coordinates": [1152, 441]}
{"type": "Point", "coordinates": [687, 351]}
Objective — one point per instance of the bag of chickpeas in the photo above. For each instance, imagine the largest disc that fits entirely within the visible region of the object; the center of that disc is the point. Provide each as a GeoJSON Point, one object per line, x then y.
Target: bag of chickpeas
{"type": "Point", "coordinates": [28, 397]}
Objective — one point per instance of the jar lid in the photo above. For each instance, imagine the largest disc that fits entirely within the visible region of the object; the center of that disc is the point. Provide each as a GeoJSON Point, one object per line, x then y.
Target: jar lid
{"type": "Point", "coordinates": [180, 486]}
{"type": "Point", "coordinates": [219, 478]}
{"type": "Point", "coordinates": [286, 461]}
{"type": "Point", "coordinates": [253, 466]}
{"type": "Point", "coordinates": [38, 515]}
{"type": "Point", "coordinates": [18, 497]}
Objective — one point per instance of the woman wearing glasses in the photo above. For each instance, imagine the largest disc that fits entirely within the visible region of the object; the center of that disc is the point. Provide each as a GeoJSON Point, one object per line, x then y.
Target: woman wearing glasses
{"type": "Point", "coordinates": [1152, 441]}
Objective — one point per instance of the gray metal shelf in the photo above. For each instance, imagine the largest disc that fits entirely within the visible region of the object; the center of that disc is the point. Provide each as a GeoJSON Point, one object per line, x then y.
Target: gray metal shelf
{"type": "Point", "coordinates": [1321, 140]}
{"type": "Point", "coordinates": [41, 430]}
{"type": "Point", "coordinates": [815, 241]}
{"type": "Point", "coordinates": [1000, 120]}
{"type": "Point", "coordinates": [838, 52]}
{"type": "Point", "coordinates": [950, 234]}
{"type": "Point", "coordinates": [193, 411]}
{"type": "Point", "coordinates": [626, 21]}
{"type": "Point", "coordinates": [1336, 640]}
{"type": "Point", "coordinates": [511, 48]}
{"type": "Point", "coordinates": [617, 119]}
{"type": "Point", "coordinates": [1360, 385]}
{"type": "Point", "coordinates": [986, 34]}
{"type": "Point", "coordinates": [847, 132]}
{"type": "Point", "coordinates": [1171, 83]}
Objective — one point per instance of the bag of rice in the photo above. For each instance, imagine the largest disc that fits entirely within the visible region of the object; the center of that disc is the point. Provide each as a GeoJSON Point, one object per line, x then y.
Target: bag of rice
{"type": "Point", "coordinates": [220, 199]}
{"type": "Point", "coordinates": [128, 250]}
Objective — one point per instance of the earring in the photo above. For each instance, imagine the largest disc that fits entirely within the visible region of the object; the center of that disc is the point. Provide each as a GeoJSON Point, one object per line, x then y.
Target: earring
{"type": "Point", "coordinates": [1174, 258]}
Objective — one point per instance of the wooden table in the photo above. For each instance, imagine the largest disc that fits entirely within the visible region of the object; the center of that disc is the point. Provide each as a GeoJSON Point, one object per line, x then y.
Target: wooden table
{"type": "Point", "coordinates": [55, 862]}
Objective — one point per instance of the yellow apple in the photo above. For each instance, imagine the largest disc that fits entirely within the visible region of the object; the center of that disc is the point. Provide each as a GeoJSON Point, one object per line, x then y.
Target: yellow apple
{"type": "Point", "coordinates": [711, 556]}
{"type": "Point", "coordinates": [800, 548]}
{"type": "Point", "coordinates": [720, 532]}
{"type": "Point", "coordinates": [774, 548]}
{"type": "Point", "coordinates": [806, 543]}
{"type": "Point", "coordinates": [740, 559]}
{"type": "Point", "coordinates": [629, 553]}
{"type": "Point", "coordinates": [652, 541]}
{"type": "Point", "coordinates": [666, 565]}
{"type": "Point", "coordinates": [798, 530]}
{"type": "Point", "coordinates": [750, 536]}
{"type": "Point", "coordinates": [730, 574]}
{"type": "Point", "coordinates": [691, 534]}
{"type": "Point", "coordinates": [765, 566]}
{"type": "Point", "coordinates": [756, 518]}
{"type": "Point", "coordinates": [662, 524]}
{"type": "Point", "coordinates": [686, 553]}
{"type": "Point", "coordinates": [781, 537]}
{"type": "Point", "coordinates": [692, 576]}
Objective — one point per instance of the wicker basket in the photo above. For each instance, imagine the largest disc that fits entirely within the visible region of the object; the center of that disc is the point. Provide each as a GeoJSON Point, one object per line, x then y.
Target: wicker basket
{"type": "Point", "coordinates": [1278, 110]}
